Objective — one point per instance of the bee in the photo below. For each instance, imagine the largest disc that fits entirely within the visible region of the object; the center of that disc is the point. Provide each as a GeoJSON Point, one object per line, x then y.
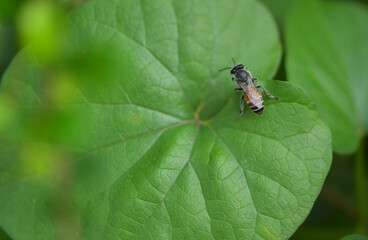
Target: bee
{"type": "Point", "coordinates": [251, 94]}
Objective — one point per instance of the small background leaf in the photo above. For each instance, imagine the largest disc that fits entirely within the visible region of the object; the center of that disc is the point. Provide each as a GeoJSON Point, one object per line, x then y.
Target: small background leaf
{"type": "Point", "coordinates": [326, 55]}
{"type": "Point", "coordinates": [354, 237]}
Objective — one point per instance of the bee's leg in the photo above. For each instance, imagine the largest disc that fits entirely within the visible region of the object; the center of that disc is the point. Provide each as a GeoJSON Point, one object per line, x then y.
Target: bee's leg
{"type": "Point", "coordinates": [241, 106]}
{"type": "Point", "coordinates": [233, 78]}
{"type": "Point", "coordinates": [254, 79]}
{"type": "Point", "coordinates": [267, 93]}
{"type": "Point", "coordinates": [238, 90]}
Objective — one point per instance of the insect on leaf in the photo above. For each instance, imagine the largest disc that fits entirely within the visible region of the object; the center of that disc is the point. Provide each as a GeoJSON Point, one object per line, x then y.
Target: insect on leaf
{"type": "Point", "coordinates": [134, 134]}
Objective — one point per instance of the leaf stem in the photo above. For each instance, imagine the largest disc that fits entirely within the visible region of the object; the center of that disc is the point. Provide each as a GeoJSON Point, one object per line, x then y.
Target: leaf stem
{"type": "Point", "coordinates": [361, 189]}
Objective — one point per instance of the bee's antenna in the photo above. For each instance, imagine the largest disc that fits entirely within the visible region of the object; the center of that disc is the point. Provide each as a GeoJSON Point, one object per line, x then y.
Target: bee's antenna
{"type": "Point", "coordinates": [224, 69]}
{"type": "Point", "coordinates": [233, 60]}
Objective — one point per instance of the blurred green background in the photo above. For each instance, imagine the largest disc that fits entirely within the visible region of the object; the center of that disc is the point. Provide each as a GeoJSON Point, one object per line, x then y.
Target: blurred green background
{"type": "Point", "coordinates": [341, 208]}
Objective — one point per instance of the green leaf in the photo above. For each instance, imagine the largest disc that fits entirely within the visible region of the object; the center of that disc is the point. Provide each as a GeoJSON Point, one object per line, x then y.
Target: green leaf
{"type": "Point", "coordinates": [354, 237]}
{"type": "Point", "coordinates": [280, 9]}
{"type": "Point", "coordinates": [326, 55]}
{"type": "Point", "coordinates": [159, 152]}
{"type": "Point", "coordinates": [3, 235]}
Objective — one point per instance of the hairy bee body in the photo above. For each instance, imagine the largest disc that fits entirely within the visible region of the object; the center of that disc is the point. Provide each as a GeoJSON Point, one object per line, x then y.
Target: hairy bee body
{"type": "Point", "coordinates": [251, 94]}
{"type": "Point", "coordinates": [254, 99]}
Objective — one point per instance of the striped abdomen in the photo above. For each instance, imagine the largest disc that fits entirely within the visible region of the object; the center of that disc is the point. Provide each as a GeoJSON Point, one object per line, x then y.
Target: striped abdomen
{"type": "Point", "coordinates": [254, 99]}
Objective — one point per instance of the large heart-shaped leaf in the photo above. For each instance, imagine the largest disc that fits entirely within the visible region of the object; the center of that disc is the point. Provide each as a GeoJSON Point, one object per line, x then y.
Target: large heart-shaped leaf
{"type": "Point", "coordinates": [327, 52]}
{"type": "Point", "coordinates": [163, 156]}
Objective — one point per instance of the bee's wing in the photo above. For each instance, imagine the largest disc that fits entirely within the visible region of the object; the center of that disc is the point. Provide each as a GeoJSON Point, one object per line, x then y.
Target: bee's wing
{"type": "Point", "coordinates": [254, 97]}
{"type": "Point", "coordinates": [243, 85]}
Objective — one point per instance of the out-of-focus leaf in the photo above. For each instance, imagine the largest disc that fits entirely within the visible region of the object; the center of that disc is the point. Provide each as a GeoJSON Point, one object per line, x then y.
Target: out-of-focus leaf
{"type": "Point", "coordinates": [280, 9]}
{"type": "Point", "coordinates": [40, 25]}
{"type": "Point", "coordinates": [327, 55]}
{"type": "Point", "coordinates": [354, 237]}
{"type": "Point", "coordinates": [3, 235]}
{"type": "Point", "coordinates": [159, 153]}
{"type": "Point", "coordinates": [8, 10]}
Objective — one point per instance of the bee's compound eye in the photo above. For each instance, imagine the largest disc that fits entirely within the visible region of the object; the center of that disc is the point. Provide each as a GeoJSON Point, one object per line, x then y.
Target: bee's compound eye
{"type": "Point", "coordinates": [233, 70]}
{"type": "Point", "coordinates": [241, 66]}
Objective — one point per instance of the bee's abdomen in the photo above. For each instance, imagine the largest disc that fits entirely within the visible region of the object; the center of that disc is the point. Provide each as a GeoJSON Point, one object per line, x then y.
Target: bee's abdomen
{"type": "Point", "coordinates": [257, 109]}
{"type": "Point", "coordinates": [257, 105]}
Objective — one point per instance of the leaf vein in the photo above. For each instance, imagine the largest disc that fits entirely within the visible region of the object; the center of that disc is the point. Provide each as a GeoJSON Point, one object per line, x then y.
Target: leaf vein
{"type": "Point", "coordinates": [152, 54]}
{"type": "Point", "coordinates": [204, 200]}
{"type": "Point", "coordinates": [237, 160]}
{"type": "Point", "coordinates": [168, 191]}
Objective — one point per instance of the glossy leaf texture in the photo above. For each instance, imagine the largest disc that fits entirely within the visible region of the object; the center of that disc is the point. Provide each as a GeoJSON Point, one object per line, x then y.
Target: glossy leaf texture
{"type": "Point", "coordinates": [159, 152]}
{"type": "Point", "coordinates": [327, 49]}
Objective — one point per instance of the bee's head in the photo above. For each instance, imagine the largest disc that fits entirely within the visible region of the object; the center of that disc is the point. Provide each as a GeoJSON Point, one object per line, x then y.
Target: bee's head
{"type": "Point", "coordinates": [236, 68]}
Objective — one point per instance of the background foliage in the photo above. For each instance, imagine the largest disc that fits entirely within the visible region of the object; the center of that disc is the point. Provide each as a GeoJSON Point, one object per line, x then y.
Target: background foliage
{"type": "Point", "coordinates": [325, 48]}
